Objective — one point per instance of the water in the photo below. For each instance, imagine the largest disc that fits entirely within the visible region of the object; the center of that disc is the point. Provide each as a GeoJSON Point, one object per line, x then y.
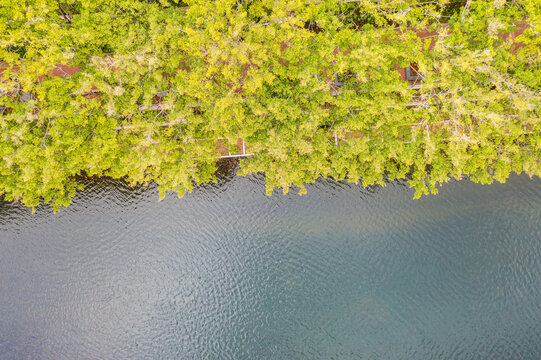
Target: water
{"type": "Point", "coordinates": [228, 273]}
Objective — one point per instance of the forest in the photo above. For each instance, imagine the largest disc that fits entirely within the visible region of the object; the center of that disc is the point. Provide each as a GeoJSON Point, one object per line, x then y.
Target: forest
{"type": "Point", "coordinates": [360, 90]}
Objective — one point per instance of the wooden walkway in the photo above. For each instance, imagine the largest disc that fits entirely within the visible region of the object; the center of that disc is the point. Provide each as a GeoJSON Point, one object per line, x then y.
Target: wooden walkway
{"type": "Point", "coordinates": [224, 151]}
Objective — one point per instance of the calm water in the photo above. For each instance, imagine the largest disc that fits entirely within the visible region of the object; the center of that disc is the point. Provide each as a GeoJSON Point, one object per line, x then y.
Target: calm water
{"type": "Point", "coordinates": [228, 273]}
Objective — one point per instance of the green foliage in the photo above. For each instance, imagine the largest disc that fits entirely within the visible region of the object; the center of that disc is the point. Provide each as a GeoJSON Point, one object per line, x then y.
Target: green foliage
{"type": "Point", "coordinates": [158, 82]}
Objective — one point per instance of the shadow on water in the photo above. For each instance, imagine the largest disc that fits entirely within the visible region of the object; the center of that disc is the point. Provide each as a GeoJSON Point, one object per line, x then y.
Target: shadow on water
{"type": "Point", "coordinates": [119, 191]}
{"type": "Point", "coordinates": [97, 187]}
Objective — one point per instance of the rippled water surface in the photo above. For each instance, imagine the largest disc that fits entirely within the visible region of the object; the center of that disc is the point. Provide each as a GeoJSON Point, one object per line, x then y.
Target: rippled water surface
{"type": "Point", "coordinates": [228, 273]}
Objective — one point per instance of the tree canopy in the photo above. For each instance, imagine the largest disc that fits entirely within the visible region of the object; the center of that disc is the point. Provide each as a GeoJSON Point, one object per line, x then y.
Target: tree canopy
{"type": "Point", "coordinates": [142, 90]}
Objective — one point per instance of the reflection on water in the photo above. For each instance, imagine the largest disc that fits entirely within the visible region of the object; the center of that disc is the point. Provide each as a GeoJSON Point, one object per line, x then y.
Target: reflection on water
{"type": "Point", "coordinates": [228, 273]}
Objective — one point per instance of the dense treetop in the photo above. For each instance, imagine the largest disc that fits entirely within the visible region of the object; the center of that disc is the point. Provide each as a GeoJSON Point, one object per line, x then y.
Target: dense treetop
{"type": "Point", "coordinates": [142, 90]}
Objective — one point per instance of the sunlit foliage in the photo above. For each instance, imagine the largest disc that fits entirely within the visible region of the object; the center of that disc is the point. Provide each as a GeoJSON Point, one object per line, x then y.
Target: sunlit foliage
{"type": "Point", "coordinates": [142, 89]}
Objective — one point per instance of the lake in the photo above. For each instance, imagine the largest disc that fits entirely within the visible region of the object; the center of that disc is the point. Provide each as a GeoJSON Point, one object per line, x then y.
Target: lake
{"type": "Point", "coordinates": [229, 273]}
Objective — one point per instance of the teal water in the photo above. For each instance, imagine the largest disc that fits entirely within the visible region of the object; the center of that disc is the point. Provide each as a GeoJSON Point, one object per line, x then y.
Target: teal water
{"type": "Point", "coordinates": [228, 273]}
